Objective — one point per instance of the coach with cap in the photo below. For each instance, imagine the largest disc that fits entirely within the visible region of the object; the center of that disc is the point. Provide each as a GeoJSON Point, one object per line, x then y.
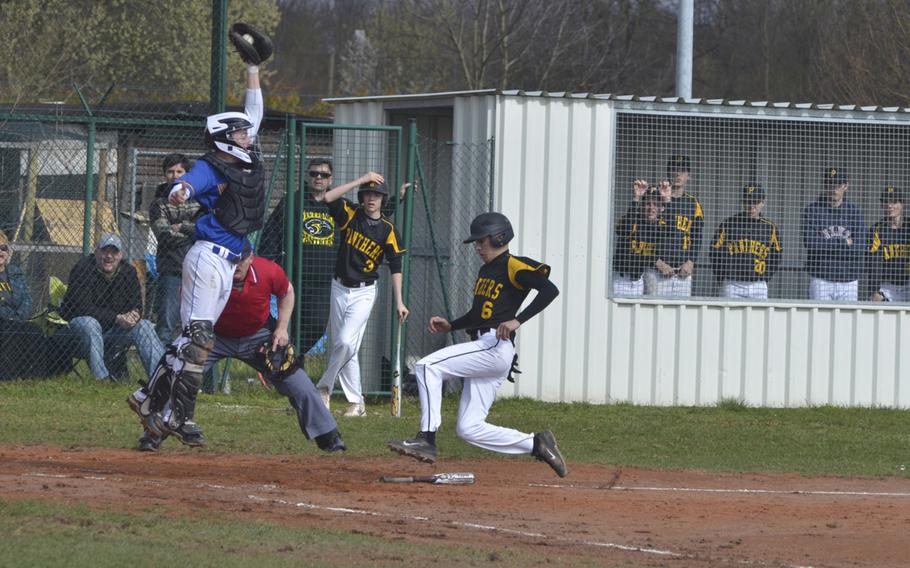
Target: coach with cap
{"type": "Point", "coordinates": [834, 236]}
{"type": "Point", "coordinates": [103, 305]}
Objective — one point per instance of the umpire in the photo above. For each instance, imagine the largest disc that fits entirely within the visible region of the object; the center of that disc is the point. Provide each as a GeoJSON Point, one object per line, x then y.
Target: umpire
{"type": "Point", "coordinates": [246, 331]}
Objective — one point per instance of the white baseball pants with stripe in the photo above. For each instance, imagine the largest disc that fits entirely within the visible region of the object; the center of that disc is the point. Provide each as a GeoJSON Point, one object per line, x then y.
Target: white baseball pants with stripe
{"type": "Point", "coordinates": [348, 315]}
{"type": "Point", "coordinates": [820, 289]}
{"type": "Point", "coordinates": [744, 289]}
{"type": "Point", "coordinates": [484, 365]}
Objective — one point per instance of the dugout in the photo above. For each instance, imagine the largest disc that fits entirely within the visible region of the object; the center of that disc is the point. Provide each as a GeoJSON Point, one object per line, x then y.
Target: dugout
{"type": "Point", "coordinates": [561, 167]}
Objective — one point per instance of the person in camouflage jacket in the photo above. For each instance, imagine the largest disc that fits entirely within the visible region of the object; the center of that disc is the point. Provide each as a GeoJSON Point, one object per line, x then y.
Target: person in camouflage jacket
{"type": "Point", "coordinates": [174, 227]}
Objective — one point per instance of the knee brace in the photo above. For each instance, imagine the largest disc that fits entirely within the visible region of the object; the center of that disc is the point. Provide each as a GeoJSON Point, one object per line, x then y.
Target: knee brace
{"type": "Point", "coordinates": [187, 382]}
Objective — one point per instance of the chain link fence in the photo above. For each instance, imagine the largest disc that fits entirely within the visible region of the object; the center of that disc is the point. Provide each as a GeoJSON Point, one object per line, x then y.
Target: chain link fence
{"type": "Point", "coordinates": [455, 186]}
{"type": "Point", "coordinates": [51, 280]}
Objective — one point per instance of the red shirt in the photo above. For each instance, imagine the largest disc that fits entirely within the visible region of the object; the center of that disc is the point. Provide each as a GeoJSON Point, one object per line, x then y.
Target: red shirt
{"type": "Point", "coordinates": [247, 309]}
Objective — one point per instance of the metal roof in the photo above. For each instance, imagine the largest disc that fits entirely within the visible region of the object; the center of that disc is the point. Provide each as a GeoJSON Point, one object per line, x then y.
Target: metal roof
{"type": "Point", "coordinates": [623, 98]}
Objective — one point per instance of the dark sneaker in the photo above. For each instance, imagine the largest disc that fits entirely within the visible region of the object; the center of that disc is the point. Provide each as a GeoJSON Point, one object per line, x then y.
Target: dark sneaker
{"type": "Point", "coordinates": [418, 448]}
{"type": "Point", "coordinates": [190, 434]}
{"type": "Point", "coordinates": [330, 442]}
{"type": "Point", "coordinates": [545, 450]}
{"type": "Point", "coordinates": [148, 443]}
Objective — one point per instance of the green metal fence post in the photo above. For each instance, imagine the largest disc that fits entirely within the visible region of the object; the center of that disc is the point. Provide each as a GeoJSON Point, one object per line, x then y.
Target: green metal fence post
{"type": "Point", "coordinates": [290, 216]}
{"type": "Point", "coordinates": [89, 178]}
{"type": "Point", "coordinates": [219, 56]}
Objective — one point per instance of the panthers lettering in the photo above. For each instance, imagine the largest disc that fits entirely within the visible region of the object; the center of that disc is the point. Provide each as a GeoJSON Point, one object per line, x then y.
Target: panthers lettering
{"type": "Point", "coordinates": [888, 257]}
{"type": "Point", "coordinates": [640, 243]}
{"type": "Point", "coordinates": [746, 249]}
{"type": "Point", "coordinates": [688, 219]}
{"type": "Point", "coordinates": [365, 244]}
{"type": "Point", "coordinates": [497, 294]}
{"type": "Point", "coordinates": [318, 229]}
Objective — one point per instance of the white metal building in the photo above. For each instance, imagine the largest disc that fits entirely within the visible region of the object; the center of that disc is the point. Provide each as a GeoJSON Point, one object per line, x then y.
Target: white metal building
{"type": "Point", "coordinates": [562, 162]}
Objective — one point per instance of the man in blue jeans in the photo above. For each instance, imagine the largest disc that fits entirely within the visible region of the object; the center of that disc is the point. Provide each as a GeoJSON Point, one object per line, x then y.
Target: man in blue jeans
{"type": "Point", "coordinates": [103, 305]}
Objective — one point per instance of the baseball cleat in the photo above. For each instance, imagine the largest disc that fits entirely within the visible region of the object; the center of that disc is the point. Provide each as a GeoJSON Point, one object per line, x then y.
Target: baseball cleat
{"type": "Point", "coordinates": [330, 442]}
{"type": "Point", "coordinates": [546, 450]}
{"type": "Point", "coordinates": [417, 448]}
{"type": "Point", "coordinates": [148, 443]}
{"type": "Point", "coordinates": [355, 410]}
{"type": "Point", "coordinates": [189, 433]}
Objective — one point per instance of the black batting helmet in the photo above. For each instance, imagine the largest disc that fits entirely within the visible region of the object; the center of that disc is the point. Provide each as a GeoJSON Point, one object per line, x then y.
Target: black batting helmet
{"type": "Point", "coordinates": [493, 225]}
{"type": "Point", "coordinates": [379, 188]}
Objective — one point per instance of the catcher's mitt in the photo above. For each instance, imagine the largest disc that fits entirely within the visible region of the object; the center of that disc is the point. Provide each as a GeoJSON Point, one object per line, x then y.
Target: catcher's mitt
{"type": "Point", "coordinates": [253, 46]}
{"type": "Point", "coordinates": [279, 363]}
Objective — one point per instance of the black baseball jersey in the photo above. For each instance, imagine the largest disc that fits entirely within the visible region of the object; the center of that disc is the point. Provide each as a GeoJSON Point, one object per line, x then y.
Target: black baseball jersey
{"type": "Point", "coordinates": [686, 217]}
{"type": "Point", "coordinates": [888, 256]}
{"type": "Point", "coordinates": [364, 243]}
{"type": "Point", "coordinates": [746, 249]}
{"type": "Point", "coordinates": [640, 243]}
{"type": "Point", "coordinates": [497, 293]}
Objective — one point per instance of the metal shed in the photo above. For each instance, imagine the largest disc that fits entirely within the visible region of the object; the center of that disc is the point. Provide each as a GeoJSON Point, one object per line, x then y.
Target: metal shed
{"type": "Point", "coordinates": [561, 167]}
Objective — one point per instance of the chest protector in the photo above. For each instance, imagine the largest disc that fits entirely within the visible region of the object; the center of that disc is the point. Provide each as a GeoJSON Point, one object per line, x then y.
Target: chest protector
{"type": "Point", "coordinates": [241, 205]}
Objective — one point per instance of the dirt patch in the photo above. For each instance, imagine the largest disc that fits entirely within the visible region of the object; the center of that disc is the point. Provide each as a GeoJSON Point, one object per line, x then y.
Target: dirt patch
{"type": "Point", "coordinates": [597, 513]}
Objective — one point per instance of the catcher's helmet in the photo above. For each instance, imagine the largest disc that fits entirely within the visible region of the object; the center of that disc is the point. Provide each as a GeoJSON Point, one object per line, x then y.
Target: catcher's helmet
{"type": "Point", "coordinates": [379, 188]}
{"type": "Point", "coordinates": [493, 225]}
{"type": "Point", "coordinates": [218, 128]}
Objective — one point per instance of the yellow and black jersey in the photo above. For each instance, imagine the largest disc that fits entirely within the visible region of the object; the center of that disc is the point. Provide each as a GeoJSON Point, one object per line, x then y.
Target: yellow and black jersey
{"type": "Point", "coordinates": [888, 256]}
{"type": "Point", "coordinates": [639, 243]}
{"type": "Point", "coordinates": [686, 219]}
{"type": "Point", "coordinates": [746, 249]}
{"type": "Point", "coordinates": [497, 293]}
{"type": "Point", "coordinates": [364, 243]}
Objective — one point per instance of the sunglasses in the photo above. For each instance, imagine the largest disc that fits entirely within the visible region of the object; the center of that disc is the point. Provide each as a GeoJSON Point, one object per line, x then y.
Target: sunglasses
{"type": "Point", "coordinates": [320, 175]}
{"type": "Point", "coordinates": [4, 248]}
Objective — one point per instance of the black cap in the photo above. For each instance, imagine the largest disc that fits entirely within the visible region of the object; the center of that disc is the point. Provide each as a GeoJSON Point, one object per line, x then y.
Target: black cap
{"type": "Point", "coordinates": [677, 163]}
{"type": "Point", "coordinates": [373, 186]}
{"type": "Point", "coordinates": [892, 194]}
{"type": "Point", "coordinates": [753, 193]}
{"type": "Point", "coordinates": [834, 176]}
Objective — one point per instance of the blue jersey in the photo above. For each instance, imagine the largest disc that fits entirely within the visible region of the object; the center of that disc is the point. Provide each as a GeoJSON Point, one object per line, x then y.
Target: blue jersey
{"type": "Point", "coordinates": [835, 241]}
{"type": "Point", "coordinates": [205, 187]}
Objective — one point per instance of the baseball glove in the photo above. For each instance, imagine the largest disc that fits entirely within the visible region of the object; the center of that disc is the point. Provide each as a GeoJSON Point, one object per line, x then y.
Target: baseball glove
{"type": "Point", "coordinates": [253, 46]}
{"type": "Point", "coordinates": [279, 363]}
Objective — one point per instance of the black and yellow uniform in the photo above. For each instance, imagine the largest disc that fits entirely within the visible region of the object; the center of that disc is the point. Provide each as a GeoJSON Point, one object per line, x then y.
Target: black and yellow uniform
{"type": "Point", "coordinates": [888, 256]}
{"type": "Point", "coordinates": [746, 249]}
{"type": "Point", "coordinates": [686, 219]}
{"type": "Point", "coordinates": [501, 286]}
{"type": "Point", "coordinates": [640, 243]}
{"type": "Point", "coordinates": [363, 244]}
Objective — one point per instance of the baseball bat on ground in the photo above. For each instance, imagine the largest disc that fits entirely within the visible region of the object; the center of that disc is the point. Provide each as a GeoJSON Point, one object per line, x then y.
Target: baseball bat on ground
{"type": "Point", "coordinates": [438, 479]}
{"type": "Point", "coordinates": [395, 403]}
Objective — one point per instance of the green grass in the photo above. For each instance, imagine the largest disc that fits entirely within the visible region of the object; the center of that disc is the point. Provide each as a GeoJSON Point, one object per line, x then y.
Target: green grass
{"type": "Point", "coordinates": [728, 437]}
{"type": "Point", "coordinates": [50, 534]}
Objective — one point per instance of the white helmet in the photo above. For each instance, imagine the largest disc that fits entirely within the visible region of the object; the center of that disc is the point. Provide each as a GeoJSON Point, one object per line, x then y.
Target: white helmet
{"type": "Point", "coordinates": [218, 128]}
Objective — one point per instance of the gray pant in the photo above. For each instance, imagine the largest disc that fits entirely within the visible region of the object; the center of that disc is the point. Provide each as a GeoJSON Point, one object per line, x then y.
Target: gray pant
{"type": "Point", "coordinates": [312, 415]}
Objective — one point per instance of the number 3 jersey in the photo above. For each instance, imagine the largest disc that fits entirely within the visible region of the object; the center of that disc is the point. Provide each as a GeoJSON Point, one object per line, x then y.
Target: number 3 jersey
{"type": "Point", "coordinates": [364, 243]}
{"type": "Point", "coordinates": [498, 294]}
{"type": "Point", "coordinates": [746, 249]}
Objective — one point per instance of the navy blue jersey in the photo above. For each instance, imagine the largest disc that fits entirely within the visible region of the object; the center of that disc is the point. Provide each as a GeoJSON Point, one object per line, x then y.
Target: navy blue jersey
{"type": "Point", "coordinates": [834, 238]}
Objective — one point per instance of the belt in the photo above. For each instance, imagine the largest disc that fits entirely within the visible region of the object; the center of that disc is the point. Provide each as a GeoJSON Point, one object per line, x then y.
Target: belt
{"type": "Point", "coordinates": [477, 332]}
{"type": "Point", "coordinates": [224, 252]}
{"type": "Point", "coordinates": [353, 283]}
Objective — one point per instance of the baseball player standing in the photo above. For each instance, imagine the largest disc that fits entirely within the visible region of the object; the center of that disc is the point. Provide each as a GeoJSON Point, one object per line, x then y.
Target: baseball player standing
{"type": "Point", "coordinates": [245, 331]}
{"type": "Point", "coordinates": [832, 230]}
{"type": "Point", "coordinates": [368, 237]}
{"type": "Point", "coordinates": [746, 251]}
{"type": "Point", "coordinates": [888, 256]}
{"type": "Point", "coordinates": [229, 182]}
{"type": "Point", "coordinates": [502, 284]}
{"type": "Point", "coordinates": [642, 235]}
{"type": "Point", "coordinates": [673, 277]}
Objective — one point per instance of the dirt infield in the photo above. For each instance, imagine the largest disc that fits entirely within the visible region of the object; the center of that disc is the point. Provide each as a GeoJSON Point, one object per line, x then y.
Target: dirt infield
{"type": "Point", "coordinates": [597, 513]}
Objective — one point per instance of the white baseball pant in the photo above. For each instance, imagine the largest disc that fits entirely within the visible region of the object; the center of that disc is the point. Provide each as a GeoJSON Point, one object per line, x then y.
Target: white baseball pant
{"type": "Point", "coordinates": [484, 365]}
{"type": "Point", "coordinates": [625, 286]}
{"type": "Point", "coordinates": [829, 290]}
{"type": "Point", "coordinates": [744, 289]}
{"type": "Point", "coordinates": [350, 309]}
{"type": "Point", "coordinates": [656, 284]}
